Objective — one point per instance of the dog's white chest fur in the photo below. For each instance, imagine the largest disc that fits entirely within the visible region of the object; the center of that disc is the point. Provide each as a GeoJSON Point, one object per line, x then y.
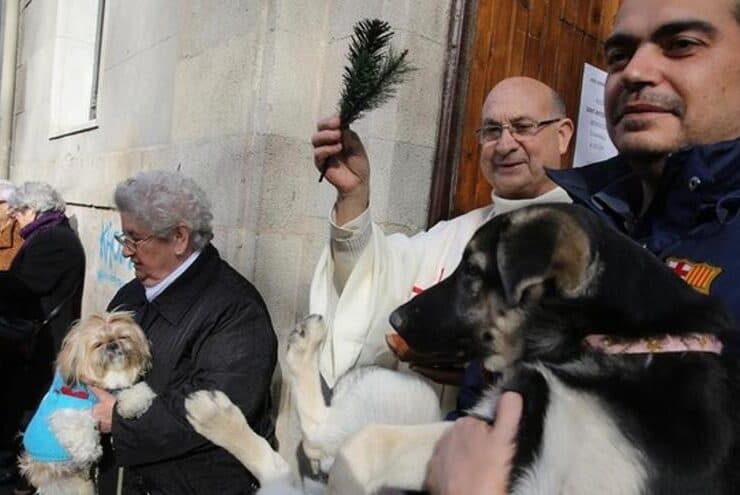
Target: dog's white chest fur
{"type": "Point", "coordinates": [583, 450]}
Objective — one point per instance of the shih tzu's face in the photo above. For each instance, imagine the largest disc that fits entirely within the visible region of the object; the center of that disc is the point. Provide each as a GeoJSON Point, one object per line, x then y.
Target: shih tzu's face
{"type": "Point", "coordinates": [107, 350]}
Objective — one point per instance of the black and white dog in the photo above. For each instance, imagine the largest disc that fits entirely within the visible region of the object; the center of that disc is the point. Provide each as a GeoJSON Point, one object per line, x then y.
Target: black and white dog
{"type": "Point", "coordinates": [619, 361]}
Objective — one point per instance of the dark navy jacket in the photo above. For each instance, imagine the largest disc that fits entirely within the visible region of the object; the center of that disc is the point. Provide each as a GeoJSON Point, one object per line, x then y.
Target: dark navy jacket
{"type": "Point", "coordinates": [691, 224]}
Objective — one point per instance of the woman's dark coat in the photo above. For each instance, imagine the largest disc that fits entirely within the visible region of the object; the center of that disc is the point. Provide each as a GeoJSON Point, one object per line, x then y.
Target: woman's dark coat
{"type": "Point", "coordinates": [209, 330]}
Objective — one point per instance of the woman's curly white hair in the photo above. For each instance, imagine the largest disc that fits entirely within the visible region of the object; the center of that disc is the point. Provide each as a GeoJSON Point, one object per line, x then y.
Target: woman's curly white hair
{"type": "Point", "coordinates": [36, 196]}
{"type": "Point", "coordinates": [161, 200]}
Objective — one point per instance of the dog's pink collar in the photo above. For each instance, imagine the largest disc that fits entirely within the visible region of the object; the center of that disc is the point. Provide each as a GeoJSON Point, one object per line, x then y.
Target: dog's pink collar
{"type": "Point", "coordinates": [692, 342]}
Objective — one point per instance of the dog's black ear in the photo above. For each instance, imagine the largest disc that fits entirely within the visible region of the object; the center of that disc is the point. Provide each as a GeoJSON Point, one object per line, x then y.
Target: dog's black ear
{"type": "Point", "coordinates": [523, 256]}
{"type": "Point", "coordinates": [538, 246]}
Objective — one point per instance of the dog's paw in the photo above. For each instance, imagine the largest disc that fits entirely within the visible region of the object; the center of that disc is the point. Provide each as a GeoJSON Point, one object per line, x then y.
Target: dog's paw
{"type": "Point", "coordinates": [134, 401]}
{"type": "Point", "coordinates": [319, 460]}
{"type": "Point", "coordinates": [304, 339]}
{"type": "Point", "coordinates": [78, 433]}
{"type": "Point", "coordinates": [214, 416]}
{"type": "Point", "coordinates": [315, 329]}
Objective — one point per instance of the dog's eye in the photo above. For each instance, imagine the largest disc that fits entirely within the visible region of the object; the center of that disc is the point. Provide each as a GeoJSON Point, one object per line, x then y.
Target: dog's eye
{"type": "Point", "coordinates": [471, 268]}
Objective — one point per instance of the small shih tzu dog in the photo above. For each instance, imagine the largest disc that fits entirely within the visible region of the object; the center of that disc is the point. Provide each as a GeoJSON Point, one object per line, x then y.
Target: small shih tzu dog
{"type": "Point", "coordinates": [62, 441]}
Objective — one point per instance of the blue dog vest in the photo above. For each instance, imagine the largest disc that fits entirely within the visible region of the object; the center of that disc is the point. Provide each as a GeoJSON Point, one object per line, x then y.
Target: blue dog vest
{"type": "Point", "coordinates": [38, 440]}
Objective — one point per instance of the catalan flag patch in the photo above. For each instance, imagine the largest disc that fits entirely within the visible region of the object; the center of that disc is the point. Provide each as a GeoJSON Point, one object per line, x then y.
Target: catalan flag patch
{"type": "Point", "coordinates": [698, 275]}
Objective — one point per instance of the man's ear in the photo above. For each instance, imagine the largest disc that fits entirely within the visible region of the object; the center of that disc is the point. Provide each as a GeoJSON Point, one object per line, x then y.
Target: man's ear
{"type": "Point", "coordinates": [565, 133]}
{"type": "Point", "coordinates": [543, 245]}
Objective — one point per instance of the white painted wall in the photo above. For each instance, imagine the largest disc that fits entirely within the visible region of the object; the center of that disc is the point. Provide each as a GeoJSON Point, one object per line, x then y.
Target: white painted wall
{"type": "Point", "coordinates": [228, 91]}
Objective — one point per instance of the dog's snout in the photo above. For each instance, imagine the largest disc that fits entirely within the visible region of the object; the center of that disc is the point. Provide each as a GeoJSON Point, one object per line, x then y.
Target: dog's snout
{"type": "Point", "coordinates": [112, 346]}
{"type": "Point", "coordinates": [397, 319]}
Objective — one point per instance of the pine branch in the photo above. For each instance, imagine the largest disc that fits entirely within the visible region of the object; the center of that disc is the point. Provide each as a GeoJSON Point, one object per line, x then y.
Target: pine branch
{"type": "Point", "coordinates": [374, 70]}
{"type": "Point", "coordinates": [373, 74]}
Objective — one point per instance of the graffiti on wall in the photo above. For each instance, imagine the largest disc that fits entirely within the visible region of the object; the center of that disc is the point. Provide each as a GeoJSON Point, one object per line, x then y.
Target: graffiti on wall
{"type": "Point", "coordinates": [114, 269]}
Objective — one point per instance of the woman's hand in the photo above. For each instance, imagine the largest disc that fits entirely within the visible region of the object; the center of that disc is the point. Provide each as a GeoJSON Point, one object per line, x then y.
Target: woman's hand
{"type": "Point", "coordinates": [102, 412]}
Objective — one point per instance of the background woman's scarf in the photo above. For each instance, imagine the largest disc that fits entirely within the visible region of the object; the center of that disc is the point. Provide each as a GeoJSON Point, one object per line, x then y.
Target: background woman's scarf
{"type": "Point", "coordinates": [43, 221]}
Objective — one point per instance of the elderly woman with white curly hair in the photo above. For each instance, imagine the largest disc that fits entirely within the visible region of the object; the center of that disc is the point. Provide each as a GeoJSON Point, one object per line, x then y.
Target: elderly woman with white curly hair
{"type": "Point", "coordinates": [44, 283]}
{"type": "Point", "coordinates": [209, 329]}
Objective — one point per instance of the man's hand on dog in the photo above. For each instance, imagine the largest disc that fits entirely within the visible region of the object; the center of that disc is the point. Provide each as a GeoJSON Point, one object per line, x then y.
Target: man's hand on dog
{"type": "Point", "coordinates": [474, 457]}
{"type": "Point", "coordinates": [342, 154]}
{"type": "Point", "coordinates": [102, 412]}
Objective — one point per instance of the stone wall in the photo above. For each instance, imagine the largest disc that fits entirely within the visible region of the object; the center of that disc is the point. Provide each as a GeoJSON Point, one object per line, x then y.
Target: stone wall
{"type": "Point", "coordinates": [228, 92]}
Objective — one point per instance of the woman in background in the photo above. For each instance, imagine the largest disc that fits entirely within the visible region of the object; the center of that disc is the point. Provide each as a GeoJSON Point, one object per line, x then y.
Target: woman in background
{"type": "Point", "coordinates": [10, 231]}
{"type": "Point", "coordinates": [46, 275]}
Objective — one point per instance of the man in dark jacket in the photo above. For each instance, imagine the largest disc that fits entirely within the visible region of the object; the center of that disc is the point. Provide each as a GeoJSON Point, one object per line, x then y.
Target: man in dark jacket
{"type": "Point", "coordinates": [209, 329]}
{"type": "Point", "coordinates": [672, 103]}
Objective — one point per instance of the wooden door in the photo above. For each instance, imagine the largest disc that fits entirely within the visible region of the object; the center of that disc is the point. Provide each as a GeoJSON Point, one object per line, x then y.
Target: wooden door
{"type": "Point", "coordinates": [545, 39]}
